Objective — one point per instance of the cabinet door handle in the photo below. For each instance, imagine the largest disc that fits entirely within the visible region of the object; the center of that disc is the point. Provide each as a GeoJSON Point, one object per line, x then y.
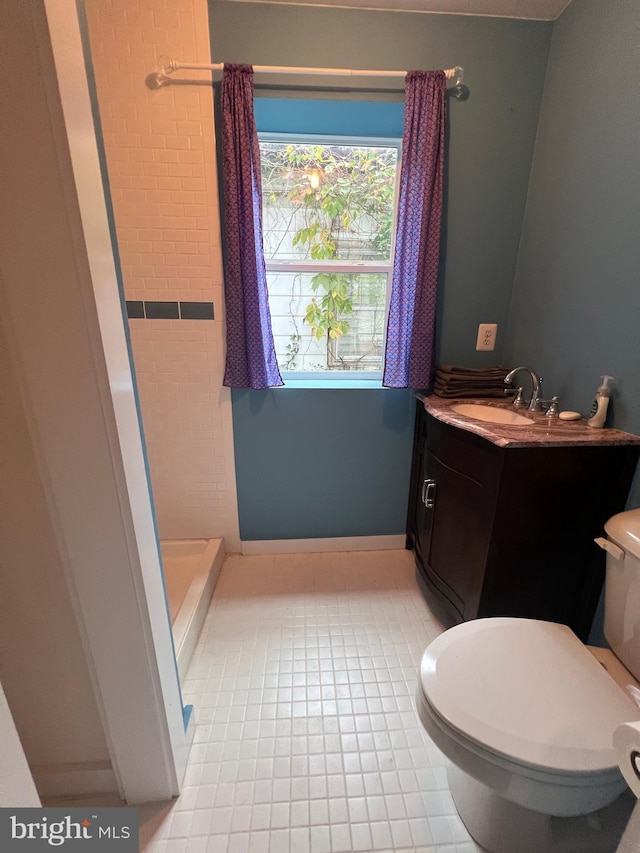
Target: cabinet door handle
{"type": "Point", "coordinates": [429, 493]}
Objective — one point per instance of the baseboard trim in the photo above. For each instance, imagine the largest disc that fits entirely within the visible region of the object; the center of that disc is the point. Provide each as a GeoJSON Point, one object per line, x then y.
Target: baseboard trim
{"type": "Point", "coordinates": [311, 546]}
{"type": "Point", "coordinates": [69, 780]}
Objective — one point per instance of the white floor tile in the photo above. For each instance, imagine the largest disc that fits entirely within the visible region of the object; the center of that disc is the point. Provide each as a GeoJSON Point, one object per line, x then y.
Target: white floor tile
{"type": "Point", "coordinates": [307, 738]}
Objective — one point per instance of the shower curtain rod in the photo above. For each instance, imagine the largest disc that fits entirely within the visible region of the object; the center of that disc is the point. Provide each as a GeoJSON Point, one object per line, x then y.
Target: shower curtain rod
{"type": "Point", "coordinates": [160, 78]}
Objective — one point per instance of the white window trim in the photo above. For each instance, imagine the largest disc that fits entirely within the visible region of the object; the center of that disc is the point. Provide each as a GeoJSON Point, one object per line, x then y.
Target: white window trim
{"type": "Point", "coordinates": [340, 378]}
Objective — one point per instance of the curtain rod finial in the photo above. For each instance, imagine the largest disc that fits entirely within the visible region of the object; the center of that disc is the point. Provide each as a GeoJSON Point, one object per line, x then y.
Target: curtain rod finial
{"type": "Point", "coordinates": [460, 92]}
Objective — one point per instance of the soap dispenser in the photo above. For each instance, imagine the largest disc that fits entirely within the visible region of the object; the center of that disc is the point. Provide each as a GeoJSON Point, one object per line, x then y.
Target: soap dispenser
{"type": "Point", "coordinates": [598, 413]}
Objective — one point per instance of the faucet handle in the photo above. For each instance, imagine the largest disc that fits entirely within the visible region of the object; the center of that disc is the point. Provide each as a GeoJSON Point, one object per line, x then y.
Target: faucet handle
{"type": "Point", "coordinates": [554, 409]}
{"type": "Point", "coordinates": [518, 400]}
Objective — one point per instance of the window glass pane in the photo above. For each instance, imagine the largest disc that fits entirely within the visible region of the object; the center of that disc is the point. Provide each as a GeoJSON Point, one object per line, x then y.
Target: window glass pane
{"type": "Point", "coordinates": [356, 343]}
{"type": "Point", "coordinates": [327, 201]}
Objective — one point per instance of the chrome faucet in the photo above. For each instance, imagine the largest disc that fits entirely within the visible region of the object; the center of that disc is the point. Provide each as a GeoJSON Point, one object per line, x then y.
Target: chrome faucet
{"type": "Point", "coordinates": [535, 403]}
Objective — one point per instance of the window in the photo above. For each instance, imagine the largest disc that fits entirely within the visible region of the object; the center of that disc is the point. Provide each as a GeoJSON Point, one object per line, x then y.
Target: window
{"type": "Point", "coordinates": [329, 216]}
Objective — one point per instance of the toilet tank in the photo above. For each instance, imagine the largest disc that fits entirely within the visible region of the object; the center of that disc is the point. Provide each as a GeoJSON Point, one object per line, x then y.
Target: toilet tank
{"type": "Point", "coordinates": [622, 588]}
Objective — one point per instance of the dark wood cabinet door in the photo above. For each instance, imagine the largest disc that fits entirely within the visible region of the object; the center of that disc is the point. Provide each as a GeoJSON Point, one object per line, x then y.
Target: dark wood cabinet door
{"type": "Point", "coordinates": [459, 532]}
{"type": "Point", "coordinates": [423, 515]}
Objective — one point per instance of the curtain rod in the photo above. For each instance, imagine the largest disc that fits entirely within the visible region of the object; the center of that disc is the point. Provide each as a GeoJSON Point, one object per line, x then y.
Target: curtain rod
{"type": "Point", "coordinates": [160, 78]}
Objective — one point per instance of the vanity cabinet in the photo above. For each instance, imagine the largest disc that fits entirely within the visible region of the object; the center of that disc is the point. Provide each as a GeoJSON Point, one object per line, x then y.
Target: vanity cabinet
{"type": "Point", "coordinates": [508, 531]}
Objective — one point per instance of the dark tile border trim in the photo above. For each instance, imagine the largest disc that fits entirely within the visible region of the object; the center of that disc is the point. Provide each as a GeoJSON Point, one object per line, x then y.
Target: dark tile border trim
{"type": "Point", "coordinates": [139, 310]}
{"type": "Point", "coordinates": [135, 309]}
{"type": "Point", "coordinates": [161, 311]}
{"type": "Point", "coordinates": [196, 310]}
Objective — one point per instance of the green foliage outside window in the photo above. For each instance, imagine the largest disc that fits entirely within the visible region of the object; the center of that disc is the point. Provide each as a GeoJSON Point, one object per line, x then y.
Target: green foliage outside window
{"type": "Point", "coordinates": [336, 204]}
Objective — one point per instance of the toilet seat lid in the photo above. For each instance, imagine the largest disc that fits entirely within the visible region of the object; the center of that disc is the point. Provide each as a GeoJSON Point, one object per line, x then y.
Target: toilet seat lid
{"type": "Point", "coordinates": [528, 690]}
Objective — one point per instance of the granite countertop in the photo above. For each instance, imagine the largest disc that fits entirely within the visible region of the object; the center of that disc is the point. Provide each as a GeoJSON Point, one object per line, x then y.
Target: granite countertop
{"type": "Point", "coordinates": [542, 432]}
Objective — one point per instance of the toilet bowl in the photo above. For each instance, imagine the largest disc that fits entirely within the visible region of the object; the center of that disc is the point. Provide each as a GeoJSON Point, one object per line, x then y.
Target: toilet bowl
{"type": "Point", "coordinates": [525, 713]}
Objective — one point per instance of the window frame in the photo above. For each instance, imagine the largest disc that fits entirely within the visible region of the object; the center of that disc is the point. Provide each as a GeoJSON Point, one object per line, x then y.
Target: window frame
{"type": "Point", "coordinates": [322, 377]}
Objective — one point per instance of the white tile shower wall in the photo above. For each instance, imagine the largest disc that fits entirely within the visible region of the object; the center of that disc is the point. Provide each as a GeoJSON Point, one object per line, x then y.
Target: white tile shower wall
{"type": "Point", "coordinates": [186, 420]}
{"type": "Point", "coordinates": [160, 151]}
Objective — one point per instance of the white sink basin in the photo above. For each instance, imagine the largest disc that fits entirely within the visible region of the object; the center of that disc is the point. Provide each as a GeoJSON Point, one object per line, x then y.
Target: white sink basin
{"type": "Point", "coordinates": [491, 414]}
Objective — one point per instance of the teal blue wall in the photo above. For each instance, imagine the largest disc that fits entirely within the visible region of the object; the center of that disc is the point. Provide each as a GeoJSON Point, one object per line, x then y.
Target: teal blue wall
{"type": "Point", "coordinates": [322, 463]}
{"type": "Point", "coordinates": [575, 311]}
{"type": "Point", "coordinates": [491, 135]}
{"type": "Point", "coordinates": [336, 463]}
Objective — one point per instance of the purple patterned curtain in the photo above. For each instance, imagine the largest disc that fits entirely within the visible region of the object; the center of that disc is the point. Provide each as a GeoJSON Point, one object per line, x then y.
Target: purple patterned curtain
{"type": "Point", "coordinates": [251, 358]}
{"type": "Point", "coordinates": [410, 347]}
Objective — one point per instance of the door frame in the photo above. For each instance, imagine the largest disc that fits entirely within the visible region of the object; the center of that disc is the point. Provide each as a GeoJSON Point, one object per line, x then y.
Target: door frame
{"type": "Point", "coordinates": [88, 439]}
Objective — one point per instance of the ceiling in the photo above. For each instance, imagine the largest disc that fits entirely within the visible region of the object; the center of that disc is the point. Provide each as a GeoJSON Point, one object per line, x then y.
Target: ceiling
{"type": "Point", "coordinates": [540, 10]}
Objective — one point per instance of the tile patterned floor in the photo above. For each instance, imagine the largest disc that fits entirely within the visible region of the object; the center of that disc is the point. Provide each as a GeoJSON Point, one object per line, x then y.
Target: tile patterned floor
{"type": "Point", "coordinates": [307, 737]}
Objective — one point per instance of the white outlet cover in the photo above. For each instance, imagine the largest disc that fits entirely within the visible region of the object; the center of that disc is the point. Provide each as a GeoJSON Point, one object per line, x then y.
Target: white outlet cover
{"type": "Point", "coordinates": [486, 339]}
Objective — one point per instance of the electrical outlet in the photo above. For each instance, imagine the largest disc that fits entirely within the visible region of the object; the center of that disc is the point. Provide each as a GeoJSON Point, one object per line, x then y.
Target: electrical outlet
{"type": "Point", "coordinates": [486, 336]}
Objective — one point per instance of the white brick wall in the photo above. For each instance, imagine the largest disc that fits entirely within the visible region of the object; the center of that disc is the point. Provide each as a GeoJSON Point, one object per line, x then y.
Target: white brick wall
{"type": "Point", "coordinates": [160, 149]}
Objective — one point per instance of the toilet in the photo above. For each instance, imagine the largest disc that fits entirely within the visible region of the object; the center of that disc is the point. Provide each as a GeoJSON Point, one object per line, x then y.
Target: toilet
{"type": "Point", "coordinates": [525, 713]}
